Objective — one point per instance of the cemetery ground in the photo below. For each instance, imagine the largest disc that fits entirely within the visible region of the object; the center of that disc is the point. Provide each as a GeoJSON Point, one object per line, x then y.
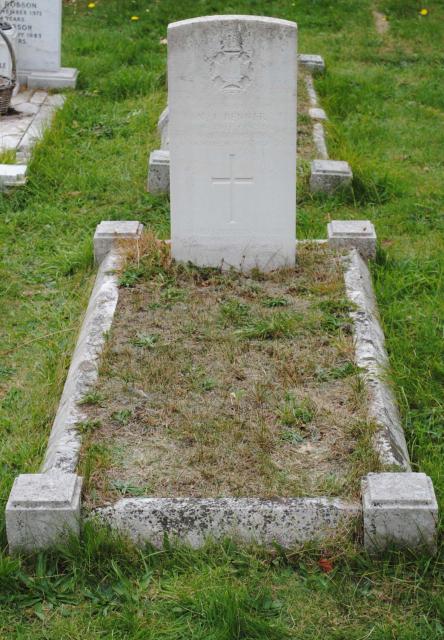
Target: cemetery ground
{"type": "Point", "coordinates": [383, 95]}
{"type": "Point", "coordinates": [200, 363]}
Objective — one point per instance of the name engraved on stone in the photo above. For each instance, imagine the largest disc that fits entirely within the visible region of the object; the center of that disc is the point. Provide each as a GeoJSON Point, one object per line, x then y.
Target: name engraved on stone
{"type": "Point", "coordinates": [38, 24]}
{"type": "Point", "coordinates": [19, 13]}
{"type": "Point", "coordinates": [232, 181]}
{"type": "Point", "coordinates": [231, 116]}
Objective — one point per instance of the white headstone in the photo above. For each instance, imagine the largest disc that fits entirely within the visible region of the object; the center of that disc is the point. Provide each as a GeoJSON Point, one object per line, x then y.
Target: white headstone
{"type": "Point", "coordinates": [232, 109]}
{"type": "Point", "coordinates": [39, 27]}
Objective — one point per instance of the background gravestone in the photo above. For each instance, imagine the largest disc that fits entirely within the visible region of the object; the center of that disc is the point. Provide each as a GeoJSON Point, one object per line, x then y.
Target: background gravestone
{"type": "Point", "coordinates": [232, 110]}
{"type": "Point", "coordinates": [39, 27]}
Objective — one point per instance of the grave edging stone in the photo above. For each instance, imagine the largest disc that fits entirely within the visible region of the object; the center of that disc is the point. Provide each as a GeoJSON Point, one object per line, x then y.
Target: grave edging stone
{"type": "Point", "coordinates": [63, 449]}
{"type": "Point", "coordinates": [286, 521]}
{"type": "Point", "coordinates": [371, 356]}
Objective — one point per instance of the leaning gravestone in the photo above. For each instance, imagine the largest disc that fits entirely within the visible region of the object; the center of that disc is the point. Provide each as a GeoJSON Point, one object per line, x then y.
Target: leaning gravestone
{"type": "Point", "coordinates": [39, 27]}
{"type": "Point", "coordinates": [232, 110]}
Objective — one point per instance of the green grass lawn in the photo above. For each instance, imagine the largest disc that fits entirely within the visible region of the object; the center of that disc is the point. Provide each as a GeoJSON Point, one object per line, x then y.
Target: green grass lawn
{"type": "Point", "coordinates": [385, 99]}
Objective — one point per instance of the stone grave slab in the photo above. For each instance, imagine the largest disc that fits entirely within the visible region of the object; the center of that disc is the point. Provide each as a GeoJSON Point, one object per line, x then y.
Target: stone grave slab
{"type": "Point", "coordinates": [232, 126]}
{"type": "Point", "coordinates": [30, 115]}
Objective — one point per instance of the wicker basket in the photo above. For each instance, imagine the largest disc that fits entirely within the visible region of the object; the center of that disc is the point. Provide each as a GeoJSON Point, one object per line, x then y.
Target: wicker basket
{"type": "Point", "coordinates": [7, 85]}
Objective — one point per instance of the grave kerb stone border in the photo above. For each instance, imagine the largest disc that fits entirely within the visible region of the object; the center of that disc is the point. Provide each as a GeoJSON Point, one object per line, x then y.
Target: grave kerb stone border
{"type": "Point", "coordinates": [63, 449]}
{"type": "Point", "coordinates": [289, 521]}
{"type": "Point", "coordinates": [371, 356]}
{"type": "Point", "coordinates": [324, 174]}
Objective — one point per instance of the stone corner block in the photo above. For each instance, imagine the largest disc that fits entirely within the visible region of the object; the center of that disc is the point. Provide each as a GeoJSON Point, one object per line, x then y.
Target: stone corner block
{"type": "Point", "coordinates": [328, 175]}
{"type": "Point", "coordinates": [400, 509]}
{"type": "Point", "coordinates": [159, 171]}
{"type": "Point", "coordinates": [12, 175]}
{"type": "Point", "coordinates": [108, 231]}
{"type": "Point", "coordinates": [348, 234]}
{"type": "Point", "coordinates": [314, 63]}
{"type": "Point", "coordinates": [43, 509]}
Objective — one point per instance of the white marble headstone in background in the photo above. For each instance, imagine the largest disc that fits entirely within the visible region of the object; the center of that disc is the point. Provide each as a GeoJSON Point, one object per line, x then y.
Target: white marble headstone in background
{"type": "Point", "coordinates": [39, 27]}
{"type": "Point", "coordinates": [232, 109]}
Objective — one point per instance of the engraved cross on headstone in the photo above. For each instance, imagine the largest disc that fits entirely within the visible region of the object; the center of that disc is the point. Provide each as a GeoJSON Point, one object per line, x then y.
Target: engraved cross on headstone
{"type": "Point", "coordinates": [232, 180]}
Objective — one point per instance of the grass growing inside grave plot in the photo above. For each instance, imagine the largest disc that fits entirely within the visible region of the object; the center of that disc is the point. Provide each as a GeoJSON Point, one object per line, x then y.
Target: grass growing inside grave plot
{"type": "Point", "coordinates": [383, 95]}
{"type": "Point", "coordinates": [306, 147]}
{"type": "Point", "coordinates": [221, 384]}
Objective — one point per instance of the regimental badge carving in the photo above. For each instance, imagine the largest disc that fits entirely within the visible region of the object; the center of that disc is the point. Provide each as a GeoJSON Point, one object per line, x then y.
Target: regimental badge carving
{"type": "Point", "coordinates": [231, 66]}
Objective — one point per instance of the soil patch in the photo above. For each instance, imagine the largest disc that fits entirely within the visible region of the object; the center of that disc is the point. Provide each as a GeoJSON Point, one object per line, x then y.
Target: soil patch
{"type": "Point", "coordinates": [381, 23]}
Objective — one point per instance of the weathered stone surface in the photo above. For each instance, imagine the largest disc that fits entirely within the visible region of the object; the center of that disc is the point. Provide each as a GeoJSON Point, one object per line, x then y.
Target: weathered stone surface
{"type": "Point", "coordinates": [316, 113]}
{"type": "Point", "coordinates": [358, 234]}
{"type": "Point", "coordinates": [329, 175]}
{"type": "Point", "coordinates": [312, 95]}
{"type": "Point", "coordinates": [371, 357]}
{"type": "Point", "coordinates": [233, 148]}
{"type": "Point", "coordinates": [163, 129]}
{"type": "Point", "coordinates": [399, 509]}
{"type": "Point", "coordinates": [42, 510]}
{"type": "Point", "coordinates": [286, 522]}
{"type": "Point", "coordinates": [108, 231]}
{"type": "Point", "coordinates": [64, 443]}
{"type": "Point", "coordinates": [159, 171]}
{"type": "Point", "coordinates": [312, 62]}
{"type": "Point", "coordinates": [319, 140]}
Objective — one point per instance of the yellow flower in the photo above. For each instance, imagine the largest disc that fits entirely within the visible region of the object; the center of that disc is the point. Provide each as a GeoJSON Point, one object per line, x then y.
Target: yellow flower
{"type": "Point", "coordinates": [92, 5]}
{"type": "Point", "coordinates": [424, 12]}
{"type": "Point", "coordinates": [134, 18]}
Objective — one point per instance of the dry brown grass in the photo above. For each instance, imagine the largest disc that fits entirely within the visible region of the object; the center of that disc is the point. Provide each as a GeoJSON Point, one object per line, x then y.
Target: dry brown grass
{"type": "Point", "coordinates": [306, 148]}
{"type": "Point", "coordinates": [221, 384]}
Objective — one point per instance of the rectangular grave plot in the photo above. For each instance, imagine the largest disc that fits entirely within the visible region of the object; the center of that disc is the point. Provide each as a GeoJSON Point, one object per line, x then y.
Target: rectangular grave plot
{"type": "Point", "coordinates": [218, 384]}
